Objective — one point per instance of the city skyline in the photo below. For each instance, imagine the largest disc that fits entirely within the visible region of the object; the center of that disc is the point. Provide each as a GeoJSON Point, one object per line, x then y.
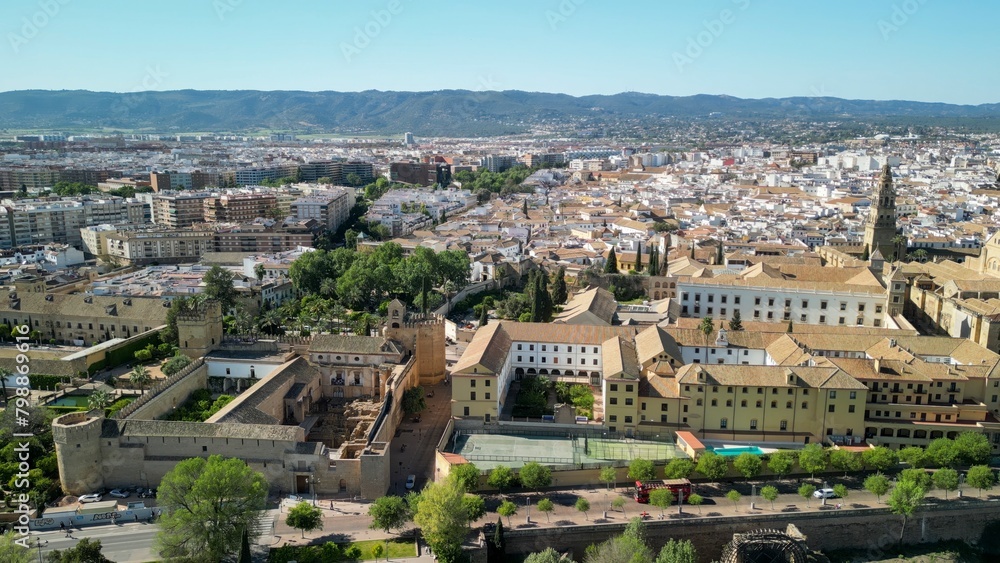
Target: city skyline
{"type": "Point", "coordinates": [743, 48]}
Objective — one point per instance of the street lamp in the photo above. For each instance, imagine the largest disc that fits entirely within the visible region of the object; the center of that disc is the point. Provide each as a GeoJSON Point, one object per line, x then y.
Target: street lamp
{"type": "Point", "coordinates": [753, 494]}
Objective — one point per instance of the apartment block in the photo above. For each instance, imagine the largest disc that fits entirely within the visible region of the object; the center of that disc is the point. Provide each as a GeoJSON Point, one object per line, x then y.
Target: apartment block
{"type": "Point", "coordinates": [330, 208]}
{"type": "Point", "coordinates": [178, 210]}
{"type": "Point", "coordinates": [239, 207]}
{"type": "Point", "coordinates": [143, 247]}
{"type": "Point", "coordinates": [59, 220]}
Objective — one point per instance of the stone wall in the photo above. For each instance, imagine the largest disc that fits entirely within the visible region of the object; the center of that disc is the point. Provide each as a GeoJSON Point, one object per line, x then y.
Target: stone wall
{"type": "Point", "coordinates": [163, 397]}
{"type": "Point", "coordinates": [870, 529]}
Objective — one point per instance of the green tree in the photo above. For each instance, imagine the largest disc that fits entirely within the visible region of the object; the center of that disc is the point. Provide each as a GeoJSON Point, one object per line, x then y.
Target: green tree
{"type": "Point", "coordinates": [748, 465]}
{"type": "Point", "coordinates": [219, 286]}
{"type": "Point", "coordinates": [845, 461]}
{"type": "Point", "coordinates": [143, 355]}
{"type": "Point", "coordinates": [207, 504]}
{"type": "Point", "coordinates": [914, 456]}
{"type": "Point", "coordinates": [259, 271]}
{"type": "Point", "coordinates": [781, 463]}
{"type": "Point", "coordinates": [878, 485]}
{"type": "Point", "coordinates": [475, 506]}
{"type": "Point", "coordinates": [918, 476]}
{"type": "Point", "coordinates": [484, 315]}
{"type": "Point", "coordinates": [611, 264]}
{"type": "Point", "coordinates": [388, 513]}
{"type": "Point", "coordinates": [840, 490]}
{"type": "Point", "coordinates": [535, 476]}
{"type": "Point", "coordinates": [507, 509]}
{"type": "Point", "coordinates": [904, 499]}
{"type": "Point", "coordinates": [677, 551]}
{"type": "Point", "coordinates": [812, 459]}
{"type": "Point", "coordinates": [353, 179]}
{"type": "Point", "coordinates": [943, 452]}
{"type": "Point", "coordinates": [99, 399]}
{"type": "Point", "coordinates": [980, 477]}
{"type": "Point", "coordinates": [500, 477]}
{"type": "Point", "coordinates": [467, 475]}
{"type": "Point", "coordinates": [736, 321]}
{"type": "Point", "coordinates": [629, 547]}
{"type": "Point", "coordinates": [86, 551]}
{"type": "Point", "coordinates": [678, 468]}
{"type": "Point", "coordinates": [139, 377]}
{"type": "Point", "coordinates": [440, 511]}
{"type": "Point", "coordinates": [175, 364]}
{"type": "Point", "coordinates": [378, 550]}
{"type": "Point", "coordinates": [769, 493]}
{"type": "Point", "coordinates": [549, 555]}
{"type": "Point", "coordinates": [661, 498]}
{"type": "Point", "coordinates": [806, 491]}
{"type": "Point", "coordinates": [973, 448]}
{"type": "Point", "coordinates": [734, 496]}
{"type": "Point", "coordinates": [413, 400]}
{"type": "Point", "coordinates": [245, 556]}
{"type": "Point", "coordinates": [638, 258]}
{"type": "Point", "coordinates": [880, 458]}
{"type": "Point", "coordinates": [654, 261]}
{"type": "Point", "coordinates": [641, 470]}
{"type": "Point", "coordinates": [305, 517]}
{"type": "Point", "coordinates": [545, 505]}
{"type": "Point", "coordinates": [790, 328]}
{"type": "Point", "coordinates": [583, 505]}
{"type": "Point", "coordinates": [608, 476]}
{"type": "Point", "coordinates": [713, 466]}
{"type": "Point", "coordinates": [707, 326]}
{"type": "Point", "coordinates": [694, 499]}
{"type": "Point", "coordinates": [618, 503]}
{"type": "Point", "coordinates": [946, 479]}
{"type": "Point", "coordinates": [559, 291]}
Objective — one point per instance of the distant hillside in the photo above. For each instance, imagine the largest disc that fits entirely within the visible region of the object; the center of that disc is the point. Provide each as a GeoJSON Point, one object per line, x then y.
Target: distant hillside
{"type": "Point", "coordinates": [440, 113]}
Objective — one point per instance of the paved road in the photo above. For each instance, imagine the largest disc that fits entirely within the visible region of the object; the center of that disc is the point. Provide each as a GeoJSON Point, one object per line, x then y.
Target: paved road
{"type": "Point", "coordinates": [121, 543]}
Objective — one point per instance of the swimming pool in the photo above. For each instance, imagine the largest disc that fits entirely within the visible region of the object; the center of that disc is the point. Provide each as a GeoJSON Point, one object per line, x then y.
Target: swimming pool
{"type": "Point", "coordinates": [732, 451]}
{"type": "Point", "coordinates": [70, 401]}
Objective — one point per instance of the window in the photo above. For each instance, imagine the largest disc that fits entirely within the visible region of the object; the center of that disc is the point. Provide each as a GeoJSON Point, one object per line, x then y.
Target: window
{"type": "Point", "coordinates": [519, 358]}
{"type": "Point", "coordinates": [743, 403]}
{"type": "Point", "coordinates": [842, 320]}
{"type": "Point", "coordinates": [843, 306]}
{"type": "Point", "coordinates": [613, 418]}
{"type": "Point", "coordinates": [878, 309]}
{"type": "Point", "coordinates": [805, 303]}
{"type": "Point", "coordinates": [487, 382]}
{"type": "Point", "coordinates": [854, 394]}
{"type": "Point", "coordinates": [753, 424]}
{"type": "Point", "coordinates": [472, 396]}
{"type": "Point", "coordinates": [805, 404]}
{"type": "Point", "coordinates": [663, 418]}
{"type": "Point", "coordinates": [770, 302]}
{"type": "Point", "coordinates": [697, 297]}
{"type": "Point", "coordinates": [613, 400]}
{"type": "Point", "coordinates": [756, 300]}
{"type": "Point", "coordinates": [544, 348]}
{"type": "Point", "coordinates": [822, 304]}
{"type": "Point", "coordinates": [569, 348]}
{"type": "Point", "coordinates": [628, 401]}
{"type": "Point", "coordinates": [744, 390]}
{"type": "Point", "coordinates": [715, 389]}
{"type": "Point", "coordinates": [472, 383]}
{"type": "Point", "coordinates": [736, 299]}
{"type": "Point", "coordinates": [861, 321]}
{"type": "Point", "coordinates": [774, 404]}
{"type": "Point", "coordinates": [833, 394]}
{"type": "Point", "coordinates": [724, 298]}
{"type": "Point", "coordinates": [861, 307]}
{"type": "Point", "coordinates": [729, 402]}
{"type": "Point", "coordinates": [783, 425]}
{"type": "Point", "coordinates": [770, 315]}
{"type": "Point", "coordinates": [595, 349]}
{"type": "Point", "coordinates": [788, 405]}
{"type": "Point", "coordinates": [555, 348]}
{"type": "Point", "coordinates": [760, 390]}
{"type": "Point", "coordinates": [788, 302]}
{"type": "Point", "coordinates": [685, 409]}
{"type": "Point", "coordinates": [711, 298]}
{"type": "Point", "coordinates": [723, 423]}
{"type": "Point", "coordinates": [729, 389]}
{"type": "Point", "coordinates": [628, 388]}
{"type": "Point", "coordinates": [850, 408]}
{"type": "Point", "coordinates": [831, 408]}
{"type": "Point", "coordinates": [628, 419]}
{"type": "Point", "coordinates": [595, 361]}
{"type": "Point", "coordinates": [663, 407]}
{"type": "Point", "coordinates": [805, 391]}
{"type": "Point", "coordinates": [822, 319]}
{"type": "Point", "coordinates": [614, 386]}
{"type": "Point", "coordinates": [715, 403]}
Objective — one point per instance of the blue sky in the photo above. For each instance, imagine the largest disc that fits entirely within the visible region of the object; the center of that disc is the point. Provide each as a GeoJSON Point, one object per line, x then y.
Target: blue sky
{"type": "Point", "coordinates": [927, 50]}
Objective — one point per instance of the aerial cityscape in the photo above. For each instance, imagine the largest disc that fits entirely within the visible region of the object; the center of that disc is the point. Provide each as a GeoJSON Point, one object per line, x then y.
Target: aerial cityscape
{"type": "Point", "coordinates": [539, 282]}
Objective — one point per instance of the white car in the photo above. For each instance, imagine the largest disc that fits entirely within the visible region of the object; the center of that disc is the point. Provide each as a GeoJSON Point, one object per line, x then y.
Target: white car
{"type": "Point", "coordinates": [411, 480]}
{"type": "Point", "coordinates": [824, 493]}
{"type": "Point", "coordinates": [119, 493]}
{"type": "Point", "coordinates": [91, 498]}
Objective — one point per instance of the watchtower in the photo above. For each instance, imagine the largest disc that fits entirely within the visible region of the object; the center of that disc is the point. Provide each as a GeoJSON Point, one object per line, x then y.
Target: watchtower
{"type": "Point", "coordinates": [199, 329]}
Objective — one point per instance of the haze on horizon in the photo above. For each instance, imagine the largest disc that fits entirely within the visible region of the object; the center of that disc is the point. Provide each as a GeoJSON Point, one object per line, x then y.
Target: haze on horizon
{"type": "Point", "coordinates": [918, 50]}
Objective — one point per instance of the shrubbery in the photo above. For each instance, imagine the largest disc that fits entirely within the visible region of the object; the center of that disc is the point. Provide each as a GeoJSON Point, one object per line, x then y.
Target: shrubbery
{"type": "Point", "coordinates": [199, 406]}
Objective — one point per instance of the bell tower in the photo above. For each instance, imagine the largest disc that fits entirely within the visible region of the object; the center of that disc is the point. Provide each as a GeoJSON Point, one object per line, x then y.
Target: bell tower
{"type": "Point", "coordinates": [880, 226]}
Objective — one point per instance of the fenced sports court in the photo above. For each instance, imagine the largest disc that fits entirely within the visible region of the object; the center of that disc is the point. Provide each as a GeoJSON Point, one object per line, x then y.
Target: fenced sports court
{"type": "Point", "coordinates": [490, 447]}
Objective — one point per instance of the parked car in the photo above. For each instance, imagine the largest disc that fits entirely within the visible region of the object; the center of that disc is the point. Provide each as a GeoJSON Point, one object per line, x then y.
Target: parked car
{"type": "Point", "coordinates": [94, 497]}
{"type": "Point", "coordinates": [148, 493]}
{"type": "Point", "coordinates": [411, 480]}
{"type": "Point", "coordinates": [824, 493]}
{"type": "Point", "coordinates": [119, 493]}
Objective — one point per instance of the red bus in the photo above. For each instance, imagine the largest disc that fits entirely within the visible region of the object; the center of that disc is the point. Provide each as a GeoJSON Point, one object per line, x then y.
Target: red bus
{"type": "Point", "coordinates": [676, 486]}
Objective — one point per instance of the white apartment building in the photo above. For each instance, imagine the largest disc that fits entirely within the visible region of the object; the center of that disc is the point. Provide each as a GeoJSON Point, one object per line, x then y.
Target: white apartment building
{"type": "Point", "coordinates": [330, 207]}
{"type": "Point", "coordinates": [41, 221]}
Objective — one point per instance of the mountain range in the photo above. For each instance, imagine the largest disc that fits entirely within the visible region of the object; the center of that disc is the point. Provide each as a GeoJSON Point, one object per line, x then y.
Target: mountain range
{"type": "Point", "coordinates": [435, 113]}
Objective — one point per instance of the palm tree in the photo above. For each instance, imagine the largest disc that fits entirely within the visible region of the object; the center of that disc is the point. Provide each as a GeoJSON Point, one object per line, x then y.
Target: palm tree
{"type": "Point", "coordinates": [919, 255]}
{"type": "Point", "coordinates": [139, 377]}
{"type": "Point", "coordinates": [100, 399]}
{"type": "Point", "coordinates": [259, 272]}
{"type": "Point", "coordinates": [899, 247]}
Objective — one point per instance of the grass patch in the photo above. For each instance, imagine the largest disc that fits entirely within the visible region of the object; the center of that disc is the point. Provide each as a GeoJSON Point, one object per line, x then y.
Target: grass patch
{"type": "Point", "coordinates": [355, 551]}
